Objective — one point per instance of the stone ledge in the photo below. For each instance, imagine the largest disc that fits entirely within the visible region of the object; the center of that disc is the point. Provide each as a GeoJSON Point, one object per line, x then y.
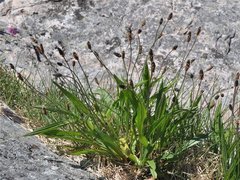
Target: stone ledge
{"type": "Point", "coordinates": [26, 158]}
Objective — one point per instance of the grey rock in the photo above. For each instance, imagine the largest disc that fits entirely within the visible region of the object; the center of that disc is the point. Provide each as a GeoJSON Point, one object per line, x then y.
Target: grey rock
{"type": "Point", "coordinates": [74, 22]}
{"type": "Point", "coordinates": [26, 158]}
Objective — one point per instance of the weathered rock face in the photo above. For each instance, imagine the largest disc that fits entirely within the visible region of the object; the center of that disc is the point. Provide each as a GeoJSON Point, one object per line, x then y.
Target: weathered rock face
{"type": "Point", "coordinates": [103, 22]}
{"type": "Point", "coordinates": [27, 158]}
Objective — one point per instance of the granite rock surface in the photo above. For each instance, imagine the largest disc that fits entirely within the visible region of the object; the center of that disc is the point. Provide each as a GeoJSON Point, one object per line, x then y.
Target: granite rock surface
{"type": "Point", "coordinates": [72, 23]}
{"type": "Point", "coordinates": [26, 158]}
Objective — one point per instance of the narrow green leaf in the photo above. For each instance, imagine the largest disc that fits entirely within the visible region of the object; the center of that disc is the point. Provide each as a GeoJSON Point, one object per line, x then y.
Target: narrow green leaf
{"type": "Point", "coordinates": [143, 140]}
{"type": "Point", "coordinates": [110, 143]}
{"type": "Point", "coordinates": [146, 86]}
{"type": "Point", "coordinates": [90, 125]}
{"type": "Point", "coordinates": [168, 156]}
{"type": "Point", "coordinates": [189, 144]}
{"type": "Point", "coordinates": [118, 81]}
{"type": "Point", "coordinates": [152, 166]}
{"type": "Point", "coordinates": [49, 127]}
{"type": "Point", "coordinates": [89, 151]}
{"type": "Point", "coordinates": [134, 159]}
{"type": "Point", "coordinates": [78, 104]}
{"type": "Point", "coordinates": [141, 116]}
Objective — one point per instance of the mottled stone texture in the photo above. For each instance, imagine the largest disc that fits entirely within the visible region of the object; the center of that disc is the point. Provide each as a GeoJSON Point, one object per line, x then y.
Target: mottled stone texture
{"type": "Point", "coordinates": [26, 158]}
{"type": "Point", "coordinates": [103, 22]}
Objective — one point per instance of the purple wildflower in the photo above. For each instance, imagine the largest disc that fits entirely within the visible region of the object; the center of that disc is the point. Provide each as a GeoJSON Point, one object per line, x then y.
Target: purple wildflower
{"type": "Point", "coordinates": [12, 30]}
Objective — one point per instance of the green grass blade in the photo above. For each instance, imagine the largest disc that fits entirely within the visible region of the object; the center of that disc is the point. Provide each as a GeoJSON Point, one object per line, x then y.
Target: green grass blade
{"type": "Point", "coordinates": [78, 104]}
{"type": "Point", "coordinates": [152, 166]}
{"type": "Point", "coordinates": [49, 127]}
{"type": "Point", "coordinates": [146, 78]}
{"type": "Point", "coordinates": [140, 118]}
